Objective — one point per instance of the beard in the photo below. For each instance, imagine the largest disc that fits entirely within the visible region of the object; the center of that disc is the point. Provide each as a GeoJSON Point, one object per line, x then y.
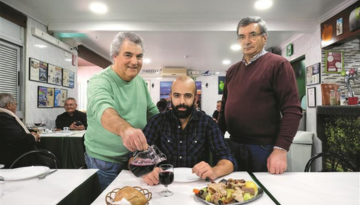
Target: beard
{"type": "Point", "coordinates": [182, 114]}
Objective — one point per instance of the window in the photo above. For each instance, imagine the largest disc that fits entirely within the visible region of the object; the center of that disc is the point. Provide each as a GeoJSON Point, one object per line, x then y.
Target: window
{"type": "Point", "coordinates": [9, 69]}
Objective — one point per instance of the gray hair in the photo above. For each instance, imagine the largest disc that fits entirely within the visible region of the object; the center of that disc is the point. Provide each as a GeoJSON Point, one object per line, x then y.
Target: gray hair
{"type": "Point", "coordinates": [120, 38]}
{"type": "Point", "coordinates": [6, 98]}
{"type": "Point", "coordinates": [252, 19]}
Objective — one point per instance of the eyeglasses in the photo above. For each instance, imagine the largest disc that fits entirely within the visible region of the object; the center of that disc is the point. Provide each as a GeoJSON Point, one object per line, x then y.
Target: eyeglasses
{"type": "Point", "coordinates": [252, 36]}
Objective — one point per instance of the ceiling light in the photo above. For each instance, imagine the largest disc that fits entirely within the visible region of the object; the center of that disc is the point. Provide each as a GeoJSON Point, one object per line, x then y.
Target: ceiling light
{"type": "Point", "coordinates": [217, 73]}
{"type": "Point", "coordinates": [147, 60]}
{"type": "Point", "coordinates": [40, 46]}
{"type": "Point", "coordinates": [68, 59]}
{"type": "Point", "coordinates": [98, 8]}
{"type": "Point", "coordinates": [226, 62]}
{"type": "Point", "coordinates": [235, 47]}
{"type": "Point", "coordinates": [263, 4]}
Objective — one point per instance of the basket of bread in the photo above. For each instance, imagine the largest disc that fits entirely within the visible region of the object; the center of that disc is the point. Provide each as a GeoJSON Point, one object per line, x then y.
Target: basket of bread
{"type": "Point", "coordinates": [128, 195]}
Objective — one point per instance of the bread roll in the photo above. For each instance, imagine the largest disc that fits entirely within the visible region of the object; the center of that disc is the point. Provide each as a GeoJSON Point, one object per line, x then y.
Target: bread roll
{"type": "Point", "coordinates": [134, 196]}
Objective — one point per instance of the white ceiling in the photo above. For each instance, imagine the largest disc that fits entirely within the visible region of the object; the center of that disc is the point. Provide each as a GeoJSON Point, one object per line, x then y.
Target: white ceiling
{"type": "Point", "coordinates": [196, 34]}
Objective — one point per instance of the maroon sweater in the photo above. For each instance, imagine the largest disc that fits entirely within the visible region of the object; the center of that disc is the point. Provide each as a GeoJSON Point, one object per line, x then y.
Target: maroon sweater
{"type": "Point", "coordinates": [260, 103]}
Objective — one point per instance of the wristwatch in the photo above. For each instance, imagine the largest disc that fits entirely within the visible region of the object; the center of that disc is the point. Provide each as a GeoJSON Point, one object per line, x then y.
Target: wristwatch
{"type": "Point", "coordinates": [279, 148]}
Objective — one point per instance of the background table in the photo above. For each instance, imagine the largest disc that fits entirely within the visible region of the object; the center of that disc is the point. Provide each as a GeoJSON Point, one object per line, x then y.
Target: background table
{"type": "Point", "coordinates": [67, 147]}
{"type": "Point", "coordinates": [63, 187]}
{"type": "Point", "coordinates": [291, 188]}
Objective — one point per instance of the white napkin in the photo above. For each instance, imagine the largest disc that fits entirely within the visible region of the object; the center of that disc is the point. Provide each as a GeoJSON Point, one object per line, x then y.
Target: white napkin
{"type": "Point", "coordinates": [123, 201]}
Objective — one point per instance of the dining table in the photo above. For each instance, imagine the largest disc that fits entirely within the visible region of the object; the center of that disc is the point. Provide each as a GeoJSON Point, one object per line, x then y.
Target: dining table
{"type": "Point", "coordinates": [63, 187]}
{"type": "Point", "coordinates": [290, 188]}
{"type": "Point", "coordinates": [68, 147]}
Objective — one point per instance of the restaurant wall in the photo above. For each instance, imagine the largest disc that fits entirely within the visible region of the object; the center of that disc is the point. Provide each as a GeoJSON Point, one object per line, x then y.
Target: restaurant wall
{"type": "Point", "coordinates": [53, 55]}
{"type": "Point", "coordinates": [84, 74]}
{"type": "Point", "coordinates": [209, 94]}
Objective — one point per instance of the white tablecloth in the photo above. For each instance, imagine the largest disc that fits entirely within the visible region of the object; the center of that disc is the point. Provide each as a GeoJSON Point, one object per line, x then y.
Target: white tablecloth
{"type": "Point", "coordinates": [50, 190]}
{"type": "Point", "coordinates": [295, 188]}
{"type": "Point", "coordinates": [64, 134]}
{"type": "Point", "coordinates": [183, 192]}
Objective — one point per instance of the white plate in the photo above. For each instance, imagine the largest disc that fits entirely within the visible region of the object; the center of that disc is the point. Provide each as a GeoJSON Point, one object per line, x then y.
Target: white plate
{"type": "Point", "coordinates": [23, 172]}
{"type": "Point", "coordinates": [183, 174]}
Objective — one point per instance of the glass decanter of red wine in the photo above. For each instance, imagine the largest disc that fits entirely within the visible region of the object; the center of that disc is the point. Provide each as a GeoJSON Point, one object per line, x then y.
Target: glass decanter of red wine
{"type": "Point", "coordinates": [166, 177]}
{"type": "Point", "coordinates": [145, 161]}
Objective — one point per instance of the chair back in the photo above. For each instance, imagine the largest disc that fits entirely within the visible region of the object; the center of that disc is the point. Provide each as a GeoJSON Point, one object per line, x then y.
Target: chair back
{"type": "Point", "coordinates": [38, 157]}
{"type": "Point", "coordinates": [332, 162]}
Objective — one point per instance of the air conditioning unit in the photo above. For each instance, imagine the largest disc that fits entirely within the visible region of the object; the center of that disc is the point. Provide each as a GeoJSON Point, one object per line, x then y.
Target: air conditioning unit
{"type": "Point", "coordinates": [173, 72]}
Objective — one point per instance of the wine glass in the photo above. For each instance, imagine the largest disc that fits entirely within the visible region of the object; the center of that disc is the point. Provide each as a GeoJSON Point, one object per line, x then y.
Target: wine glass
{"type": "Point", "coordinates": [166, 177]}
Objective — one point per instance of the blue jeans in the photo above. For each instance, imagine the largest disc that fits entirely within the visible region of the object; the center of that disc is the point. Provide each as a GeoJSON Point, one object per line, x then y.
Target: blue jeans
{"type": "Point", "coordinates": [107, 172]}
{"type": "Point", "coordinates": [251, 157]}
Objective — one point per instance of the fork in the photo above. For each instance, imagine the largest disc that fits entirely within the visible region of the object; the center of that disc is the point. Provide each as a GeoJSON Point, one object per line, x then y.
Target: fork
{"type": "Point", "coordinates": [43, 176]}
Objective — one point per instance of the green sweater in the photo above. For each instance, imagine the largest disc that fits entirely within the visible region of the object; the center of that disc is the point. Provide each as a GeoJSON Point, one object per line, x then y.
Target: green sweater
{"type": "Point", "coordinates": [132, 102]}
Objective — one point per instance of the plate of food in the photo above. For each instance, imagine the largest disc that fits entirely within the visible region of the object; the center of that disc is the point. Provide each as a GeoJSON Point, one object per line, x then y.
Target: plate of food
{"type": "Point", "coordinates": [231, 191]}
{"type": "Point", "coordinates": [184, 174]}
{"type": "Point", "coordinates": [128, 195]}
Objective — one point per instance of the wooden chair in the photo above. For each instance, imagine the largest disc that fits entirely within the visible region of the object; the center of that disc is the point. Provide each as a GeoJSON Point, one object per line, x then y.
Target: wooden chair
{"type": "Point", "coordinates": [337, 163]}
{"type": "Point", "coordinates": [37, 157]}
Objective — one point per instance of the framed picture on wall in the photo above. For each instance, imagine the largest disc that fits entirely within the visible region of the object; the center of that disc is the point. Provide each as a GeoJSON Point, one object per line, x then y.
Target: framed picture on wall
{"type": "Point", "coordinates": [339, 26]}
{"type": "Point", "coordinates": [313, 74]}
{"type": "Point", "coordinates": [334, 61]}
{"type": "Point", "coordinates": [311, 94]}
{"type": "Point", "coordinates": [221, 82]}
{"type": "Point", "coordinates": [38, 70]}
{"type": "Point", "coordinates": [68, 78]}
{"type": "Point", "coordinates": [54, 75]}
{"type": "Point", "coordinates": [60, 97]}
{"type": "Point", "coordinates": [45, 97]}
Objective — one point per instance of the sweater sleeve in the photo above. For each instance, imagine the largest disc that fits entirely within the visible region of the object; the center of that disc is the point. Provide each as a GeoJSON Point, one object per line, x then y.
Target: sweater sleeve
{"type": "Point", "coordinates": [221, 118]}
{"type": "Point", "coordinates": [286, 89]}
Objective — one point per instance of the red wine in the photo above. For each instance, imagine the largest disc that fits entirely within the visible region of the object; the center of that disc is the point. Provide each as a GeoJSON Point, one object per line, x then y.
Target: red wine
{"type": "Point", "coordinates": [166, 178]}
{"type": "Point", "coordinates": [140, 169]}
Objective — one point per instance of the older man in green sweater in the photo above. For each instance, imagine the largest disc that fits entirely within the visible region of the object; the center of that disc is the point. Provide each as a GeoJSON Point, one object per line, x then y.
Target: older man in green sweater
{"type": "Point", "coordinates": [119, 105]}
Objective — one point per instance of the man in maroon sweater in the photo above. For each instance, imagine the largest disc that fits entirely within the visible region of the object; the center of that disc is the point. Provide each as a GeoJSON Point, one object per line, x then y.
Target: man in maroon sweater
{"type": "Point", "coordinates": [260, 105]}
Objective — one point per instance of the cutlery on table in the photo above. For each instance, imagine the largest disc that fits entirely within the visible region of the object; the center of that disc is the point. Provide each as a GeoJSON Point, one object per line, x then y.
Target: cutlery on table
{"type": "Point", "coordinates": [43, 176]}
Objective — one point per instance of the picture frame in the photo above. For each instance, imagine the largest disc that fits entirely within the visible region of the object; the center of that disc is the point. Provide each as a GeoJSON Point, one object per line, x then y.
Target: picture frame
{"type": "Point", "coordinates": [60, 96]}
{"type": "Point", "coordinates": [68, 78]}
{"type": "Point", "coordinates": [339, 26]}
{"type": "Point", "coordinates": [221, 82]}
{"type": "Point", "coordinates": [334, 61]}
{"type": "Point", "coordinates": [311, 94]}
{"type": "Point", "coordinates": [45, 97]}
{"type": "Point", "coordinates": [54, 75]}
{"type": "Point", "coordinates": [313, 74]}
{"type": "Point", "coordinates": [38, 70]}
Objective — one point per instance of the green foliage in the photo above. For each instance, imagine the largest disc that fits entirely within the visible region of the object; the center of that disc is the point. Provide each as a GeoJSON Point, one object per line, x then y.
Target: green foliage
{"type": "Point", "coordinates": [343, 137]}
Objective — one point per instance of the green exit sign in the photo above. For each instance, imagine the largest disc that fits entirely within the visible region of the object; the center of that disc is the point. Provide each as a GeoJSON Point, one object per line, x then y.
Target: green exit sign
{"type": "Point", "coordinates": [289, 49]}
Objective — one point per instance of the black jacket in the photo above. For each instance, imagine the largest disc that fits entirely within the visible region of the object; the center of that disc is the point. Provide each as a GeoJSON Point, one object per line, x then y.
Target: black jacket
{"type": "Point", "coordinates": [14, 141]}
{"type": "Point", "coordinates": [65, 120]}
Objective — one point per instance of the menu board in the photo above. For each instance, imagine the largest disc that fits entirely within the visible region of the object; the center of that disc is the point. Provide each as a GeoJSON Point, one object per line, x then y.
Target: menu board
{"type": "Point", "coordinates": [334, 61]}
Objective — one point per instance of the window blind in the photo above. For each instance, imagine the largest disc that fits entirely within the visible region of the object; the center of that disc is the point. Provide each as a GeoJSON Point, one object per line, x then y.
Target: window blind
{"type": "Point", "coordinates": [9, 66]}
